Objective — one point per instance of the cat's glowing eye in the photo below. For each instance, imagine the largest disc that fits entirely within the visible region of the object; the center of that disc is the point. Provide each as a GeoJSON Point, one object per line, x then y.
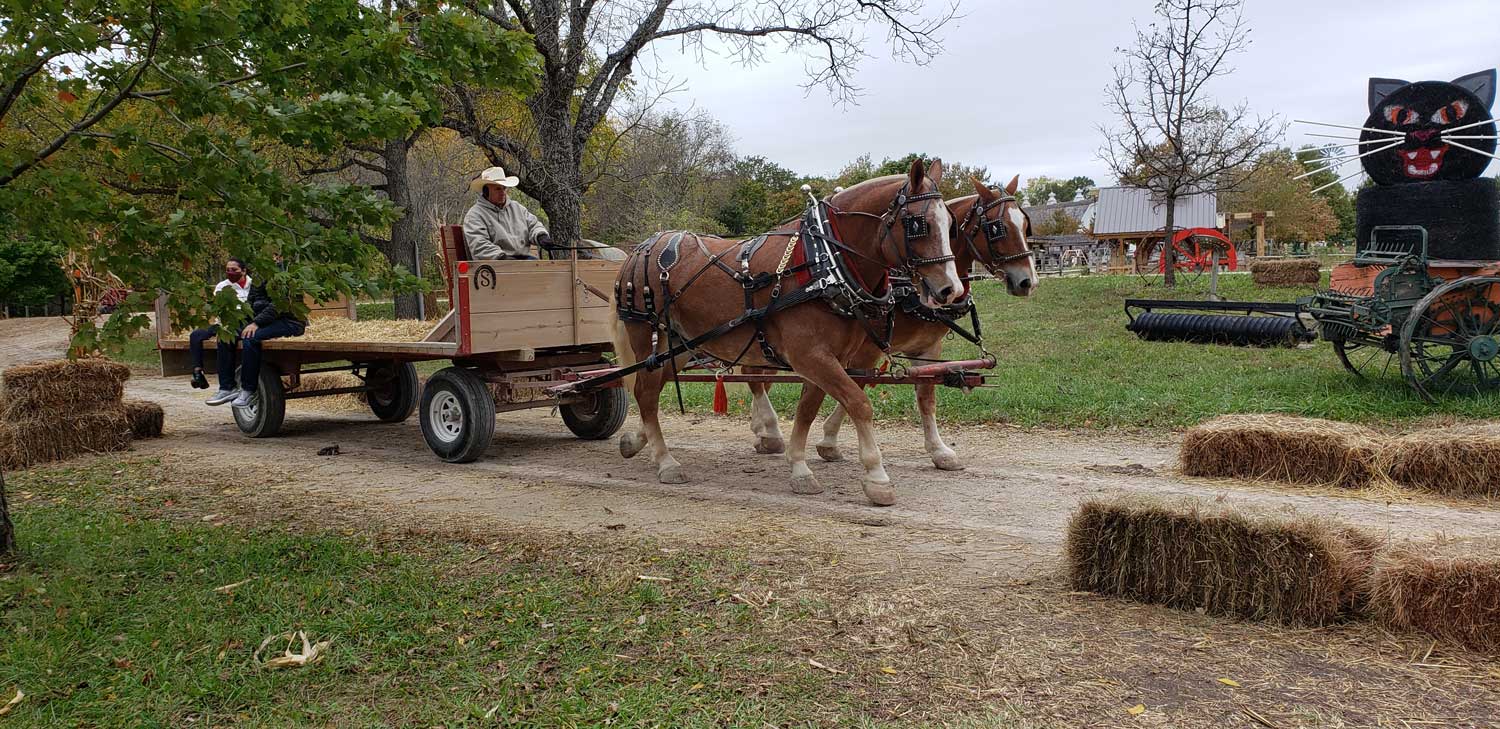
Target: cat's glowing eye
{"type": "Point", "coordinates": [1411, 117]}
{"type": "Point", "coordinates": [1393, 113]}
{"type": "Point", "coordinates": [1441, 116]}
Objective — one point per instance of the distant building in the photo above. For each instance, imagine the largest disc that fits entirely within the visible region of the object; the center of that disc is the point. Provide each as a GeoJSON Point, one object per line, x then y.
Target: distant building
{"type": "Point", "coordinates": [1128, 218]}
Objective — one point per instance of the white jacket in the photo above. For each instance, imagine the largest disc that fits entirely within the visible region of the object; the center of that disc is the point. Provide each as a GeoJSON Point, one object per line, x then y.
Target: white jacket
{"type": "Point", "coordinates": [492, 231]}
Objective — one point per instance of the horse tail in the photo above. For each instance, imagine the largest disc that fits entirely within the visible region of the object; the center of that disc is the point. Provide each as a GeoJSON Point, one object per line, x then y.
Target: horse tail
{"type": "Point", "coordinates": [624, 353]}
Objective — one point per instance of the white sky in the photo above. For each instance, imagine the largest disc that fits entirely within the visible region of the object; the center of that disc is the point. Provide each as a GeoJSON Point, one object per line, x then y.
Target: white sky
{"type": "Point", "coordinates": [1020, 86]}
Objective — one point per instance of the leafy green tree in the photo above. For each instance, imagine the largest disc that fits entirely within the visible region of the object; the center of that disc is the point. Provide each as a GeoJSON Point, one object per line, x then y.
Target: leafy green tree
{"type": "Point", "coordinates": [1338, 197]}
{"type": "Point", "coordinates": [145, 135]}
{"type": "Point", "coordinates": [1039, 189]}
{"type": "Point", "coordinates": [31, 272]}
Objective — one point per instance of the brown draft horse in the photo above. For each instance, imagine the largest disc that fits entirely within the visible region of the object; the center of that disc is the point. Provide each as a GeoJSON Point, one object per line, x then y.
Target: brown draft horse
{"type": "Point", "coordinates": [890, 222]}
{"type": "Point", "coordinates": [977, 236]}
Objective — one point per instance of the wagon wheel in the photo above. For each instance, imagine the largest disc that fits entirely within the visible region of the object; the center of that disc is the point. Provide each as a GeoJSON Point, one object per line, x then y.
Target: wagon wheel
{"type": "Point", "coordinates": [457, 415]}
{"type": "Point", "coordinates": [1451, 341]}
{"type": "Point", "coordinates": [1363, 359]}
{"type": "Point", "coordinates": [597, 415]}
{"type": "Point", "coordinates": [393, 390]}
{"type": "Point", "coordinates": [262, 418]}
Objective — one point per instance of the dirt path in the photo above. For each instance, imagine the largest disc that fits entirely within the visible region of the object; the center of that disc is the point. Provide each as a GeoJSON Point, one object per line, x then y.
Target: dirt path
{"type": "Point", "coordinates": [32, 339]}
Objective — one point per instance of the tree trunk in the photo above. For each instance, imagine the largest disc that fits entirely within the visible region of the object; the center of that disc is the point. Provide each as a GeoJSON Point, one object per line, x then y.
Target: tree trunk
{"type": "Point", "coordinates": [1168, 253]}
{"type": "Point", "coordinates": [406, 233]}
{"type": "Point", "coordinates": [7, 529]}
{"type": "Point", "coordinates": [565, 215]}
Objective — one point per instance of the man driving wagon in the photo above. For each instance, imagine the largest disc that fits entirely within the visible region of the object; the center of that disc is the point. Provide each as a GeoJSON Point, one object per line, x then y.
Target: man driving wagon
{"type": "Point", "coordinates": [498, 228]}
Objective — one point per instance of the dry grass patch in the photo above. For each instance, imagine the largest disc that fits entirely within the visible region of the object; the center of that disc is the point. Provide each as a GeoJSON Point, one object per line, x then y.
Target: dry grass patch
{"type": "Point", "coordinates": [1459, 461]}
{"type": "Point", "coordinates": [1285, 272]}
{"type": "Point", "coordinates": [146, 418]}
{"type": "Point", "coordinates": [1450, 590]}
{"type": "Point", "coordinates": [1194, 556]}
{"type": "Point", "coordinates": [1282, 448]}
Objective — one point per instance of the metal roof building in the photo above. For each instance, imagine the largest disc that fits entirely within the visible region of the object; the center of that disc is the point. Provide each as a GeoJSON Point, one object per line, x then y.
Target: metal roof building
{"type": "Point", "coordinates": [1130, 212]}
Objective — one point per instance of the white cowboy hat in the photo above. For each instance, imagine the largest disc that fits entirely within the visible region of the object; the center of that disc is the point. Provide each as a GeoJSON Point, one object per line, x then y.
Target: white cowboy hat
{"type": "Point", "coordinates": [493, 176]}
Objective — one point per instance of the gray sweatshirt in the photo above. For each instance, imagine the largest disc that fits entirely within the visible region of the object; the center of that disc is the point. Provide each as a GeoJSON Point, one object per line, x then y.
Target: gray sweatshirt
{"type": "Point", "coordinates": [492, 231]}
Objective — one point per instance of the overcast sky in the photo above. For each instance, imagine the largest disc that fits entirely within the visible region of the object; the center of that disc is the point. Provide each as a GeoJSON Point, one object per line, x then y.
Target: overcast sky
{"type": "Point", "coordinates": [1019, 87]}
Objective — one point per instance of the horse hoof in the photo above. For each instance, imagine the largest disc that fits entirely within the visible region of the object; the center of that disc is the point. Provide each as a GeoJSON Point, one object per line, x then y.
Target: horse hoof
{"type": "Point", "coordinates": [631, 444]}
{"type": "Point", "coordinates": [770, 445]}
{"type": "Point", "coordinates": [671, 474]}
{"type": "Point", "coordinates": [830, 453]}
{"type": "Point", "coordinates": [947, 462]}
{"type": "Point", "coordinates": [880, 493]}
{"type": "Point", "coordinates": [806, 485]}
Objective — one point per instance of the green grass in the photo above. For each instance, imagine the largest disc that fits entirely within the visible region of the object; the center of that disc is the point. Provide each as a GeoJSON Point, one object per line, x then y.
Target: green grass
{"type": "Point", "coordinates": [111, 618]}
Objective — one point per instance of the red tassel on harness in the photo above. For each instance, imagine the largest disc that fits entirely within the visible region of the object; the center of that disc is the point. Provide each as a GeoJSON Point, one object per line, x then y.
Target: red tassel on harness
{"type": "Point", "coordinates": [721, 398]}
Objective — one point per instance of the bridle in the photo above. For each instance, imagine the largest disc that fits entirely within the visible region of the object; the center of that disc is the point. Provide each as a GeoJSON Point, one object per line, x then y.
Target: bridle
{"type": "Point", "coordinates": [993, 230]}
{"type": "Point", "coordinates": [914, 226]}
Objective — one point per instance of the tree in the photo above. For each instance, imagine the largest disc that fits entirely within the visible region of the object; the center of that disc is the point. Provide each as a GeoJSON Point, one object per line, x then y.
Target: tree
{"type": "Point", "coordinates": [1039, 189]}
{"type": "Point", "coordinates": [1338, 197]}
{"type": "Point", "coordinates": [1058, 223]}
{"type": "Point", "coordinates": [31, 272]}
{"type": "Point", "coordinates": [589, 52]}
{"type": "Point", "coordinates": [1301, 215]}
{"type": "Point", "coordinates": [1173, 139]}
{"type": "Point", "coordinates": [145, 135]}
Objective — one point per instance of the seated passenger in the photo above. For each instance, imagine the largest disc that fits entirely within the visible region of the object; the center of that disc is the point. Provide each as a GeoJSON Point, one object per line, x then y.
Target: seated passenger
{"type": "Point", "coordinates": [237, 279]}
{"type": "Point", "coordinates": [267, 323]}
{"type": "Point", "coordinates": [497, 227]}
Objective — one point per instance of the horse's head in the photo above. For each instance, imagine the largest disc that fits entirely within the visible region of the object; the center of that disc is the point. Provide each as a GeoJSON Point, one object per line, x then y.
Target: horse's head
{"type": "Point", "coordinates": [995, 230]}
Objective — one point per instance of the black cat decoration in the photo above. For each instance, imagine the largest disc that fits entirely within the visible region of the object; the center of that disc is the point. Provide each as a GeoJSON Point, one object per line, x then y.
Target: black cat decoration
{"type": "Point", "coordinates": [1429, 130]}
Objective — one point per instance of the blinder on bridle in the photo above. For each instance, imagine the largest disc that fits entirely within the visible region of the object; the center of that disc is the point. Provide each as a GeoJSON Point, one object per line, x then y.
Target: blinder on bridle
{"type": "Point", "coordinates": [994, 230]}
{"type": "Point", "coordinates": [915, 225]}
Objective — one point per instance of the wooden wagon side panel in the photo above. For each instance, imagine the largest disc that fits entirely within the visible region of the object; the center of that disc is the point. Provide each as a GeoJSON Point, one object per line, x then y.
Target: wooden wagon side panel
{"type": "Point", "coordinates": [340, 308]}
{"type": "Point", "coordinates": [512, 305]}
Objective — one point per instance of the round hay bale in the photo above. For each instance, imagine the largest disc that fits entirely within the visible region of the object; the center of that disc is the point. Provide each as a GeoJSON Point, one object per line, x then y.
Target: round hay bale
{"type": "Point", "coordinates": [24, 443]}
{"type": "Point", "coordinates": [146, 418]}
{"type": "Point", "coordinates": [1285, 272]}
{"type": "Point", "coordinates": [35, 390]}
{"type": "Point", "coordinates": [1282, 448]}
{"type": "Point", "coordinates": [1448, 590]}
{"type": "Point", "coordinates": [1461, 461]}
{"type": "Point", "coordinates": [1194, 556]}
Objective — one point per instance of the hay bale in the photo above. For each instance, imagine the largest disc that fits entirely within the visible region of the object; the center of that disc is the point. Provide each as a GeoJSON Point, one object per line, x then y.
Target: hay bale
{"type": "Point", "coordinates": [1461, 461]}
{"type": "Point", "coordinates": [146, 418]}
{"type": "Point", "coordinates": [329, 381]}
{"type": "Point", "coordinates": [372, 330]}
{"type": "Point", "coordinates": [35, 390]}
{"type": "Point", "coordinates": [1445, 590]}
{"type": "Point", "coordinates": [24, 443]}
{"type": "Point", "coordinates": [1192, 556]}
{"type": "Point", "coordinates": [1282, 448]}
{"type": "Point", "coordinates": [1285, 272]}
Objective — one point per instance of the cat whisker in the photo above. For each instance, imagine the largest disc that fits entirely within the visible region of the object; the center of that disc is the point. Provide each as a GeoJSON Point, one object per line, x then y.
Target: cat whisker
{"type": "Point", "coordinates": [1350, 176]}
{"type": "Point", "coordinates": [1346, 126]}
{"type": "Point", "coordinates": [1466, 126]}
{"type": "Point", "coordinates": [1343, 136]}
{"type": "Point", "coordinates": [1470, 136]}
{"type": "Point", "coordinates": [1475, 151]}
{"type": "Point", "coordinates": [1346, 160]}
{"type": "Point", "coordinates": [1323, 147]}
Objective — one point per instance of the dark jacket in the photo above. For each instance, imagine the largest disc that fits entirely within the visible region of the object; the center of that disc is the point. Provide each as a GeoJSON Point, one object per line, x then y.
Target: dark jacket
{"type": "Point", "coordinates": [265, 311]}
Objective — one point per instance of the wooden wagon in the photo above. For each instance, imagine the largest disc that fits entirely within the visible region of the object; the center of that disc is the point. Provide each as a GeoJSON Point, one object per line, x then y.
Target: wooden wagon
{"type": "Point", "coordinates": [515, 329]}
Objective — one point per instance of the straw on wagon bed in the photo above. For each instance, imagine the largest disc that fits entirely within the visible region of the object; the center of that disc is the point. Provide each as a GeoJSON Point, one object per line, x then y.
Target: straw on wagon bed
{"type": "Point", "coordinates": [376, 330]}
{"type": "Point", "coordinates": [1282, 448]}
{"type": "Point", "coordinates": [1449, 590]}
{"type": "Point", "coordinates": [1195, 556]}
{"type": "Point", "coordinates": [1285, 272]}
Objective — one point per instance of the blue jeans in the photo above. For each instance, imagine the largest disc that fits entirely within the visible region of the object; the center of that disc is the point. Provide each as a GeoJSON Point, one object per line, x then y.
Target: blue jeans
{"type": "Point", "coordinates": [225, 366]}
{"type": "Point", "coordinates": [250, 353]}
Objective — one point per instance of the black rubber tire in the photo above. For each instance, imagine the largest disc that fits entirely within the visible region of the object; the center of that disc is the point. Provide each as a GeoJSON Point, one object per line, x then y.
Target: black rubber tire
{"type": "Point", "coordinates": [1462, 217]}
{"type": "Point", "coordinates": [264, 418]}
{"type": "Point", "coordinates": [597, 416]}
{"type": "Point", "coordinates": [457, 415]}
{"type": "Point", "coordinates": [397, 398]}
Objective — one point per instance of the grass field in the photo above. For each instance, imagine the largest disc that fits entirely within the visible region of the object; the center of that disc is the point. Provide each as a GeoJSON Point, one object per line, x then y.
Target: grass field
{"type": "Point", "coordinates": [112, 618]}
{"type": "Point", "coordinates": [1067, 361]}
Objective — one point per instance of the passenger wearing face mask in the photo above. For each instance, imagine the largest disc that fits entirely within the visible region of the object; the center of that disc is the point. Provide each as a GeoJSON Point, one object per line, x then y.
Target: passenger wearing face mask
{"type": "Point", "coordinates": [235, 278]}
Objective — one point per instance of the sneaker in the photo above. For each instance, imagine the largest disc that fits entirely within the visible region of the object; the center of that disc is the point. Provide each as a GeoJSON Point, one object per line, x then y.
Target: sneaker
{"type": "Point", "coordinates": [243, 400]}
{"type": "Point", "coordinates": [223, 396]}
{"type": "Point", "coordinates": [200, 382]}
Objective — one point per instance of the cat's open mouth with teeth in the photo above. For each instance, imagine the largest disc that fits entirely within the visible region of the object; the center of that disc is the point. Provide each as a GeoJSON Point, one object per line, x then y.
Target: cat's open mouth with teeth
{"type": "Point", "coordinates": [1422, 162]}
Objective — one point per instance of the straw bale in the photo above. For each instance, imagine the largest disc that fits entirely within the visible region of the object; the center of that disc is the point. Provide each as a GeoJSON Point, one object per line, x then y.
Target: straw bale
{"type": "Point", "coordinates": [376, 330]}
{"type": "Point", "coordinates": [1285, 272]}
{"type": "Point", "coordinates": [1448, 590]}
{"type": "Point", "coordinates": [1194, 556]}
{"type": "Point", "coordinates": [328, 381]}
{"type": "Point", "coordinates": [72, 386]}
{"type": "Point", "coordinates": [39, 440]}
{"type": "Point", "coordinates": [1282, 448]}
{"type": "Point", "coordinates": [146, 418]}
{"type": "Point", "coordinates": [1460, 461]}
